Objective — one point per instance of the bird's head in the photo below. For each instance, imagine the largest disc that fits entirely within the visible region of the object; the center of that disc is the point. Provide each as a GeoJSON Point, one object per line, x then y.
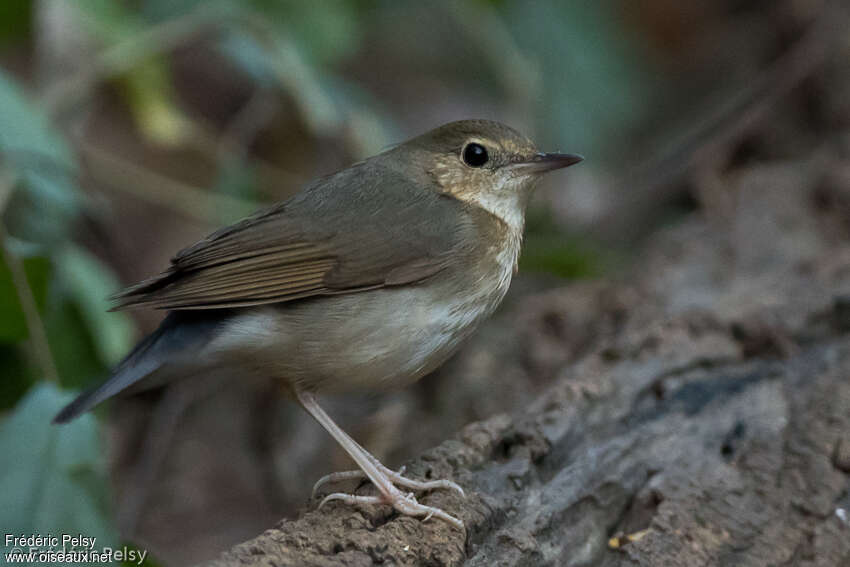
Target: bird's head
{"type": "Point", "coordinates": [484, 163]}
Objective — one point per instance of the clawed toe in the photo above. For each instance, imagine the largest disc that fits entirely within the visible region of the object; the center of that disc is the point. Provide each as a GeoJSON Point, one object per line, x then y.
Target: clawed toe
{"type": "Point", "coordinates": [336, 477]}
{"type": "Point", "coordinates": [430, 485]}
{"type": "Point", "coordinates": [410, 507]}
{"type": "Point", "coordinates": [405, 504]}
{"type": "Point", "coordinates": [395, 477]}
{"type": "Point", "coordinates": [350, 499]}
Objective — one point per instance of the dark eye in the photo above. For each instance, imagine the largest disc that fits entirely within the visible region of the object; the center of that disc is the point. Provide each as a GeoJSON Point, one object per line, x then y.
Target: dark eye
{"type": "Point", "coordinates": [475, 155]}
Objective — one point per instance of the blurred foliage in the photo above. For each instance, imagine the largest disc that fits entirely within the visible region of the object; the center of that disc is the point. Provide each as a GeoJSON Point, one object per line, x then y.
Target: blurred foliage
{"type": "Point", "coordinates": [330, 30]}
{"type": "Point", "coordinates": [89, 284]}
{"type": "Point", "coordinates": [598, 84]}
{"type": "Point", "coordinates": [64, 280]}
{"type": "Point", "coordinates": [58, 473]}
{"type": "Point", "coordinates": [148, 86]}
{"type": "Point", "coordinates": [38, 160]}
{"type": "Point", "coordinates": [14, 326]}
{"type": "Point", "coordinates": [567, 67]}
{"type": "Point", "coordinates": [547, 249]}
{"type": "Point", "coordinates": [15, 21]}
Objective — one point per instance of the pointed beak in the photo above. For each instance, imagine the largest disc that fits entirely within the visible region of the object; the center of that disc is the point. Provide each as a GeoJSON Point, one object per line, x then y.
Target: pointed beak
{"type": "Point", "coordinates": [541, 163]}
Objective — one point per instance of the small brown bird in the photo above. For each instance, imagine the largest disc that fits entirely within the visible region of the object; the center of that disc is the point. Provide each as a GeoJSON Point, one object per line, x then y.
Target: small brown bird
{"type": "Point", "coordinates": [369, 278]}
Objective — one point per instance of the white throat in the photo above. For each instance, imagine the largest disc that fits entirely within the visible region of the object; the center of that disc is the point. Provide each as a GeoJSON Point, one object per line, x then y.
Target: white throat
{"type": "Point", "coordinates": [507, 203]}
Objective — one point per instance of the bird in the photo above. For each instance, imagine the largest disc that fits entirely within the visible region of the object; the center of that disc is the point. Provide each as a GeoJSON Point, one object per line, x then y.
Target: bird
{"type": "Point", "coordinates": [367, 279]}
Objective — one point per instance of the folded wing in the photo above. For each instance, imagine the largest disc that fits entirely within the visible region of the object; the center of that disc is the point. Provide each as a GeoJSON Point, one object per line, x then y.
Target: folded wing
{"type": "Point", "coordinates": [362, 228]}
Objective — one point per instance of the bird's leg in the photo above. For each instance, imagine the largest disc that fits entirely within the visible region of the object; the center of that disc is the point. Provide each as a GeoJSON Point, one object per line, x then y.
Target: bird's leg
{"type": "Point", "coordinates": [395, 476]}
{"type": "Point", "coordinates": [403, 503]}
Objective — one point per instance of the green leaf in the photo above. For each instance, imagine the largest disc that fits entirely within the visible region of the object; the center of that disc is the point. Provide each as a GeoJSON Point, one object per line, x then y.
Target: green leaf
{"type": "Point", "coordinates": [45, 199]}
{"type": "Point", "coordinates": [15, 20]}
{"type": "Point", "coordinates": [73, 345]}
{"type": "Point", "coordinates": [27, 139]}
{"type": "Point", "coordinates": [14, 323]}
{"type": "Point", "coordinates": [107, 19]}
{"type": "Point", "coordinates": [90, 283]}
{"type": "Point", "coordinates": [14, 326]}
{"type": "Point", "coordinates": [327, 30]}
{"type": "Point", "coordinates": [53, 477]}
{"type": "Point", "coordinates": [18, 375]}
{"type": "Point", "coordinates": [42, 208]}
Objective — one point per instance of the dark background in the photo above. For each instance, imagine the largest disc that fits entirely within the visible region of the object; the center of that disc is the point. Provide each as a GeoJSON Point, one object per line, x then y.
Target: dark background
{"type": "Point", "coordinates": [130, 129]}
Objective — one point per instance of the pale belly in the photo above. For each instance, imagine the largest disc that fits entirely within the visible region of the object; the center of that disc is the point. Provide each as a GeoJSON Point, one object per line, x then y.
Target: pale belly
{"type": "Point", "coordinates": [375, 339]}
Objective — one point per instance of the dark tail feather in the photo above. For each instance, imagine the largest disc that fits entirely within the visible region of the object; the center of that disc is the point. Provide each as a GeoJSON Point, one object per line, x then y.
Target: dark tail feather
{"type": "Point", "coordinates": [132, 369]}
{"type": "Point", "coordinates": [181, 332]}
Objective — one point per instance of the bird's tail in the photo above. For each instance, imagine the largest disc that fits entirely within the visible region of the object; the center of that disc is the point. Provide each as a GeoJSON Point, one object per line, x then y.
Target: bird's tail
{"type": "Point", "coordinates": [177, 333]}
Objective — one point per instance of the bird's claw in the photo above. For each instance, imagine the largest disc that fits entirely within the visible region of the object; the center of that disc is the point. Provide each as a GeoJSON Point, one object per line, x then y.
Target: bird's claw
{"type": "Point", "coordinates": [395, 476]}
{"type": "Point", "coordinates": [405, 504]}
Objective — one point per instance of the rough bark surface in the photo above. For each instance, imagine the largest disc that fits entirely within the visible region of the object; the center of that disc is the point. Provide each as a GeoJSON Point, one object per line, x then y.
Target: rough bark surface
{"type": "Point", "coordinates": [702, 408]}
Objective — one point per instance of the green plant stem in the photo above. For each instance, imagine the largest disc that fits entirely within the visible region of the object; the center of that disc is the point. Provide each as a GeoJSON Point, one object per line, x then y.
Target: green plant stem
{"type": "Point", "coordinates": [35, 326]}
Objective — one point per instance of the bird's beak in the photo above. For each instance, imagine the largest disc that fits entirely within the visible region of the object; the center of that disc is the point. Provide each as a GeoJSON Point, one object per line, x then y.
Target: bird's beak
{"type": "Point", "coordinates": [541, 163]}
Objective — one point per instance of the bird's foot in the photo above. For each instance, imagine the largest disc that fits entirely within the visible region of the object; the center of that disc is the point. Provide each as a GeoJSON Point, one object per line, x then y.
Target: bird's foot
{"type": "Point", "coordinates": [405, 504]}
{"type": "Point", "coordinates": [395, 477]}
{"type": "Point", "coordinates": [381, 477]}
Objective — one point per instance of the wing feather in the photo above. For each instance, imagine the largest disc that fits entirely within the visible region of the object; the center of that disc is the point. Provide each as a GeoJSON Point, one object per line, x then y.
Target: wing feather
{"type": "Point", "coordinates": [359, 229]}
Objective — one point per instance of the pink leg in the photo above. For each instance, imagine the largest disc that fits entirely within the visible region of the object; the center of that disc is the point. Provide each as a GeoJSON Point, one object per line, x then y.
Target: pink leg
{"type": "Point", "coordinates": [403, 503]}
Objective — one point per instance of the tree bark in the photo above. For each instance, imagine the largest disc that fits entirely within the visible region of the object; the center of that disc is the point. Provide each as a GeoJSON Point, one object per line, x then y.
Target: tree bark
{"type": "Point", "coordinates": [702, 416]}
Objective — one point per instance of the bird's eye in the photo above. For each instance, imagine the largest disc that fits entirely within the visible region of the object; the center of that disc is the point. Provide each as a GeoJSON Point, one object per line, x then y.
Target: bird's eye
{"type": "Point", "coordinates": [475, 155]}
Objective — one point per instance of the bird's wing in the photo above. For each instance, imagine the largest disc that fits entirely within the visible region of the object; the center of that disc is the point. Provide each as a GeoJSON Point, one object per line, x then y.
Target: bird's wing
{"type": "Point", "coordinates": [362, 228]}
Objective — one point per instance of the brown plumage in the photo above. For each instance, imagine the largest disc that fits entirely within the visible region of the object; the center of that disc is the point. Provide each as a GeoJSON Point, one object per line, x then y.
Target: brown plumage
{"type": "Point", "coordinates": [282, 253]}
{"type": "Point", "coordinates": [369, 278]}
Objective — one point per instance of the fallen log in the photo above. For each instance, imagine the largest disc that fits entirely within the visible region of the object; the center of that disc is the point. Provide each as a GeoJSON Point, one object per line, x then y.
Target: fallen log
{"type": "Point", "coordinates": [704, 420]}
